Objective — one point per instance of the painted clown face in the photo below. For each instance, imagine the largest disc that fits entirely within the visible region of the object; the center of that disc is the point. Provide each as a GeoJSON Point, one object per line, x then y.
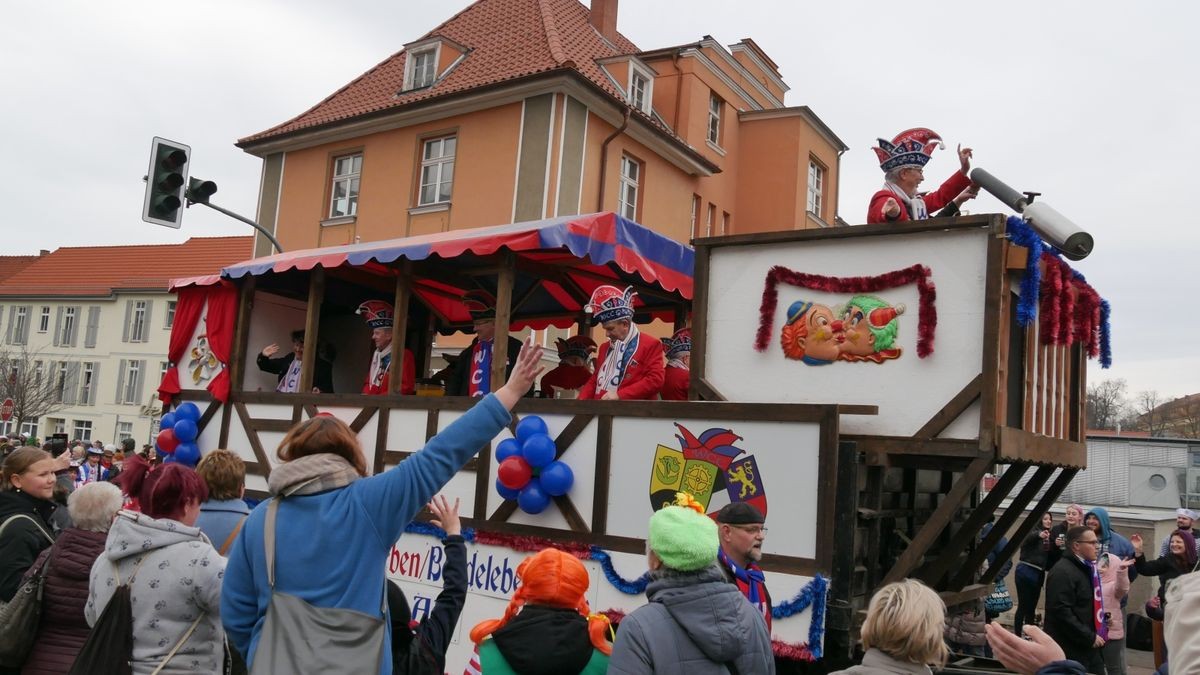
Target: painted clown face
{"type": "Point", "coordinates": [859, 338]}
{"type": "Point", "coordinates": [812, 336]}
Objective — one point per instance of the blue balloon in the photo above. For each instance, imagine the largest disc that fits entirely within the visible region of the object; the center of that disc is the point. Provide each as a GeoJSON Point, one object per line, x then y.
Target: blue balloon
{"type": "Point", "coordinates": [185, 430]}
{"type": "Point", "coordinates": [539, 450]}
{"type": "Point", "coordinates": [188, 411]}
{"type": "Point", "coordinates": [530, 425]}
{"type": "Point", "coordinates": [167, 421]}
{"type": "Point", "coordinates": [557, 479]}
{"type": "Point", "coordinates": [507, 448]}
{"type": "Point", "coordinates": [533, 499]}
{"type": "Point", "coordinates": [507, 493]}
{"type": "Point", "coordinates": [167, 459]}
{"type": "Point", "coordinates": [187, 454]}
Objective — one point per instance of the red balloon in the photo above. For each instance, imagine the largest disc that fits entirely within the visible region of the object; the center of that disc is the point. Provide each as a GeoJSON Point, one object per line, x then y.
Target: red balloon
{"type": "Point", "coordinates": [514, 473]}
{"type": "Point", "coordinates": [167, 441]}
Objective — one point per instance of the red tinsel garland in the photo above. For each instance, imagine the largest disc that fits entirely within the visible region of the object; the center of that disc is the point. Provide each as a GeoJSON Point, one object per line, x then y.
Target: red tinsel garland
{"type": "Point", "coordinates": [1048, 314]}
{"type": "Point", "coordinates": [919, 274]}
{"type": "Point", "coordinates": [784, 650]}
{"type": "Point", "coordinates": [1087, 318]}
{"type": "Point", "coordinates": [1067, 312]}
{"type": "Point", "coordinates": [531, 544]}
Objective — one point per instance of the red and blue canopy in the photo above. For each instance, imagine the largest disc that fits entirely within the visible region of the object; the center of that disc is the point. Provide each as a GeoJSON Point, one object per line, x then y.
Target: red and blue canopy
{"type": "Point", "coordinates": [559, 261]}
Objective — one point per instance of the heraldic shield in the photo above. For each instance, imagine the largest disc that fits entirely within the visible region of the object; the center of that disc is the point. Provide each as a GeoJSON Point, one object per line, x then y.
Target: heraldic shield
{"type": "Point", "coordinates": [710, 468]}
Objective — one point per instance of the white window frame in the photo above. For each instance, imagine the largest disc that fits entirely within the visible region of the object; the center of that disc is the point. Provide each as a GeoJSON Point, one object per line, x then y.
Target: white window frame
{"type": "Point", "coordinates": [60, 425]}
{"type": "Point", "coordinates": [87, 375]}
{"type": "Point", "coordinates": [715, 105]}
{"type": "Point", "coordinates": [170, 320]}
{"type": "Point", "coordinates": [124, 430]}
{"type": "Point", "coordinates": [428, 76]}
{"type": "Point", "coordinates": [82, 430]}
{"type": "Point", "coordinates": [132, 384]}
{"type": "Point", "coordinates": [641, 97]}
{"type": "Point", "coordinates": [137, 321]}
{"type": "Point", "coordinates": [60, 382]}
{"type": "Point", "coordinates": [29, 427]}
{"type": "Point", "coordinates": [8, 428]}
{"type": "Point", "coordinates": [39, 369]}
{"type": "Point", "coordinates": [66, 337]}
{"type": "Point", "coordinates": [20, 325]}
{"type": "Point", "coordinates": [436, 167]}
{"type": "Point", "coordinates": [816, 183]}
{"type": "Point", "coordinates": [708, 222]}
{"type": "Point", "coordinates": [44, 321]}
{"type": "Point", "coordinates": [630, 186]}
{"type": "Point", "coordinates": [349, 180]}
{"type": "Point", "coordinates": [725, 222]}
{"type": "Point", "coordinates": [696, 201]}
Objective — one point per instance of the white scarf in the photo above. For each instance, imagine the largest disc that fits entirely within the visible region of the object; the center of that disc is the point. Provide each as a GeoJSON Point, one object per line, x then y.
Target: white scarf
{"type": "Point", "coordinates": [291, 379]}
{"type": "Point", "coordinates": [916, 205]}
{"type": "Point", "coordinates": [378, 369]}
{"type": "Point", "coordinates": [677, 363]}
{"type": "Point", "coordinates": [609, 377]}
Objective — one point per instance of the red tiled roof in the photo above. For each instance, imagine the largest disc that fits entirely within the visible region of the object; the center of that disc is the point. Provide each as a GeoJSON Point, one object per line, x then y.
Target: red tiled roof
{"type": "Point", "coordinates": [101, 270]}
{"type": "Point", "coordinates": [11, 264]}
{"type": "Point", "coordinates": [506, 40]}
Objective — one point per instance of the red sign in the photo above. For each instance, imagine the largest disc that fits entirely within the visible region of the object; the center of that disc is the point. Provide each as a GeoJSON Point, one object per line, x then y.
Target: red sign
{"type": "Point", "coordinates": [7, 408]}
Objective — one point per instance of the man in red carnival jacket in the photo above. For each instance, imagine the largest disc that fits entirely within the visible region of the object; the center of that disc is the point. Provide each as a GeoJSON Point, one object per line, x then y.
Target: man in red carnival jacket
{"type": "Point", "coordinates": [379, 317]}
{"type": "Point", "coordinates": [572, 371]}
{"type": "Point", "coordinates": [630, 365]}
{"type": "Point", "coordinates": [903, 161]}
{"type": "Point", "coordinates": [677, 375]}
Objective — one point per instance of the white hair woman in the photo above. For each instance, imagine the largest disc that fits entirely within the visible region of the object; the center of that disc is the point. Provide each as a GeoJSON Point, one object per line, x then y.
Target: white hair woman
{"type": "Point", "coordinates": [903, 631]}
{"type": "Point", "coordinates": [63, 628]}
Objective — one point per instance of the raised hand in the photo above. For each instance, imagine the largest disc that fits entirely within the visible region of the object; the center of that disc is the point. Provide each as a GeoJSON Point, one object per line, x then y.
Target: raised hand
{"type": "Point", "coordinates": [1136, 540]}
{"type": "Point", "coordinates": [270, 350]}
{"type": "Point", "coordinates": [891, 208]}
{"type": "Point", "coordinates": [964, 159]}
{"type": "Point", "coordinates": [1023, 656]}
{"type": "Point", "coordinates": [524, 372]}
{"type": "Point", "coordinates": [444, 515]}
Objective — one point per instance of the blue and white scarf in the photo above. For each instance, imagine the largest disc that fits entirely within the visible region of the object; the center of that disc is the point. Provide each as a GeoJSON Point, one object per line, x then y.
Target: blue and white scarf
{"type": "Point", "coordinates": [616, 362]}
{"type": "Point", "coordinates": [916, 205]}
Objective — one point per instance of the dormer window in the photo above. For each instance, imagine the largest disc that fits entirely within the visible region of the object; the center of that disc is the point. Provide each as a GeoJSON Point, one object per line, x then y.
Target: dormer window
{"type": "Point", "coordinates": [641, 87]}
{"type": "Point", "coordinates": [421, 67]}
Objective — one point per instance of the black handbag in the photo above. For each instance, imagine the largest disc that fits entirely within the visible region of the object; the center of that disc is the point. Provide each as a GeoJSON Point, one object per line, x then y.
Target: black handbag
{"type": "Point", "coordinates": [19, 617]}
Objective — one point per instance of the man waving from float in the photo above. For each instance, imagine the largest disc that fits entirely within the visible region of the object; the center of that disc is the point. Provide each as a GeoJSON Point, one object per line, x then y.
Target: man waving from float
{"type": "Point", "coordinates": [903, 161]}
{"type": "Point", "coordinates": [629, 366]}
{"type": "Point", "coordinates": [379, 318]}
{"type": "Point", "coordinates": [472, 375]}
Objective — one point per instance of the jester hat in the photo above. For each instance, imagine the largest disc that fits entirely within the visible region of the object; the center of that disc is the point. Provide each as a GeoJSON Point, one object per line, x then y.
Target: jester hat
{"type": "Point", "coordinates": [610, 303]}
{"type": "Point", "coordinates": [377, 313]}
{"type": "Point", "coordinates": [480, 304]}
{"type": "Point", "coordinates": [910, 148]}
{"type": "Point", "coordinates": [679, 343]}
{"type": "Point", "coordinates": [576, 345]}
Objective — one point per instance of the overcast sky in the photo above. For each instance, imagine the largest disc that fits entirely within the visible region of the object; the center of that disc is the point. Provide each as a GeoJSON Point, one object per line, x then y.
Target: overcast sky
{"type": "Point", "coordinates": [1093, 104]}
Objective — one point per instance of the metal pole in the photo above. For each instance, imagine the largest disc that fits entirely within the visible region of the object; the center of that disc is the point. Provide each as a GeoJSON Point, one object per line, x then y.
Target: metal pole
{"type": "Point", "coordinates": [244, 219]}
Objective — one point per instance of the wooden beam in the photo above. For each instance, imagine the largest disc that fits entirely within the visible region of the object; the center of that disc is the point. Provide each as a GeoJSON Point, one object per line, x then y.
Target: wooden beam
{"type": "Point", "coordinates": [504, 297]}
{"type": "Point", "coordinates": [603, 469]}
{"type": "Point", "coordinates": [967, 531]}
{"type": "Point", "coordinates": [916, 550]}
{"type": "Point", "coordinates": [1035, 516]}
{"type": "Point", "coordinates": [400, 326]}
{"type": "Point", "coordinates": [1022, 446]}
{"type": "Point", "coordinates": [952, 410]}
{"type": "Point", "coordinates": [252, 436]}
{"type": "Point", "coordinates": [976, 558]}
{"type": "Point", "coordinates": [927, 447]}
{"type": "Point", "coordinates": [698, 387]}
{"type": "Point", "coordinates": [312, 323]}
{"type": "Point", "coordinates": [995, 286]}
{"type": "Point", "coordinates": [241, 334]}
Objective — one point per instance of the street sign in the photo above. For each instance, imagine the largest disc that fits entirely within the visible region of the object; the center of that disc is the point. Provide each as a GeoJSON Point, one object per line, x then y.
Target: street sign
{"type": "Point", "coordinates": [6, 409]}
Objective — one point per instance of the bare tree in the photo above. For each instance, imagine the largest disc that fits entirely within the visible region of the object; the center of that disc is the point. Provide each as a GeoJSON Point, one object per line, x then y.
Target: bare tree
{"type": "Point", "coordinates": [1105, 403]}
{"type": "Point", "coordinates": [1147, 406]}
{"type": "Point", "coordinates": [27, 380]}
{"type": "Point", "coordinates": [1185, 417]}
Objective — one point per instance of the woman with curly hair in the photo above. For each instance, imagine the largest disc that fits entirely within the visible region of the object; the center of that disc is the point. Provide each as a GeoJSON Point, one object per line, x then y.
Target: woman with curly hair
{"type": "Point", "coordinates": [548, 627]}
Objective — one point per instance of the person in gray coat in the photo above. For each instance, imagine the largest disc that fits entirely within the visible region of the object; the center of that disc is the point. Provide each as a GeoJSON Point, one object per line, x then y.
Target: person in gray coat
{"type": "Point", "coordinates": [695, 622]}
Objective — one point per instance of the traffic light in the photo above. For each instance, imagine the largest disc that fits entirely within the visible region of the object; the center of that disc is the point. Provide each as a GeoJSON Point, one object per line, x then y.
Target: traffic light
{"type": "Point", "coordinates": [165, 181]}
{"type": "Point", "coordinates": [199, 190]}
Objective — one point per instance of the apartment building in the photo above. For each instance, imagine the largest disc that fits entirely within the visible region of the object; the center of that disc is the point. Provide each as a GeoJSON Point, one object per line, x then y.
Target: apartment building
{"type": "Point", "coordinates": [84, 334]}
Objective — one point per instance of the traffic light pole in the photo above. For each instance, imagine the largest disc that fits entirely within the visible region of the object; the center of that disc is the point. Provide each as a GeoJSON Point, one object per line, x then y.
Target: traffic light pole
{"type": "Point", "coordinates": [242, 218]}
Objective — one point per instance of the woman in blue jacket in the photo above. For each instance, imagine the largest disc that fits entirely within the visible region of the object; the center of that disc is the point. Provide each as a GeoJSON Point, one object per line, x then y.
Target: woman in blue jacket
{"type": "Point", "coordinates": [336, 525]}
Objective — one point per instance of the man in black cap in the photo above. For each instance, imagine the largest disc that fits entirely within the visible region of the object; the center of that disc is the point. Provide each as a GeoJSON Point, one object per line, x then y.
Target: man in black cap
{"type": "Point", "coordinates": [741, 530]}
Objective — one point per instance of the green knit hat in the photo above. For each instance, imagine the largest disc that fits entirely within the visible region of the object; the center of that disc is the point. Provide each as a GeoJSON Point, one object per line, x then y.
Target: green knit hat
{"type": "Point", "coordinates": [682, 536]}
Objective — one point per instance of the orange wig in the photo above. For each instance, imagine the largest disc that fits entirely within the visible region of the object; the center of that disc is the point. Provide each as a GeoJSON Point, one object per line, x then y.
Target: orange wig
{"type": "Point", "coordinates": [556, 579]}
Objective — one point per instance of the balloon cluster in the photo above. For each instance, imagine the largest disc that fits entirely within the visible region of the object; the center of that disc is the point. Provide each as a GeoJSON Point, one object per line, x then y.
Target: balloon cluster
{"type": "Point", "coordinates": [528, 471]}
{"type": "Point", "coordinates": [177, 440]}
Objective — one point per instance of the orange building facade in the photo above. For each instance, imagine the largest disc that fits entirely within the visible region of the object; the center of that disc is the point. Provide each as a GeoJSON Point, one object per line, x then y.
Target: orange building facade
{"type": "Point", "coordinates": [517, 110]}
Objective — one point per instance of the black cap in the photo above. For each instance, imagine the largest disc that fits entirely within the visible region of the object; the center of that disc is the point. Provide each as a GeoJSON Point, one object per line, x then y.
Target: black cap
{"type": "Point", "coordinates": [740, 513]}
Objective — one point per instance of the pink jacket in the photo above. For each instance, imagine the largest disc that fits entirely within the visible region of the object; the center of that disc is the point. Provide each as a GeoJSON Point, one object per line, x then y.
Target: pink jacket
{"type": "Point", "coordinates": [1114, 583]}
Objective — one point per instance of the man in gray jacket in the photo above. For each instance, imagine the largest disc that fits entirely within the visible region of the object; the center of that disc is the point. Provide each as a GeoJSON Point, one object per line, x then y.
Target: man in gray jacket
{"type": "Point", "coordinates": [695, 622]}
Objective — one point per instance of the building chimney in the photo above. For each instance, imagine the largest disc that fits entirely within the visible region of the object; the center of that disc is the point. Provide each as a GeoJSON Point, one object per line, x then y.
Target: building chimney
{"type": "Point", "coordinates": [603, 17]}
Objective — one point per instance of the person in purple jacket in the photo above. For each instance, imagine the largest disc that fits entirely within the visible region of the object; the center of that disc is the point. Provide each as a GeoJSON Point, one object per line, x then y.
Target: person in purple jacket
{"type": "Point", "coordinates": [337, 524]}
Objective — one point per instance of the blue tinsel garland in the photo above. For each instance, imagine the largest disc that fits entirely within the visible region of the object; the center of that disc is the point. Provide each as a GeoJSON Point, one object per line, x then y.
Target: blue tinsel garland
{"type": "Point", "coordinates": [414, 527]}
{"type": "Point", "coordinates": [812, 595]}
{"type": "Point", "coordinates": [635, 587]}
{"type": "Point", "coordinates": [1022, 234]}
{"type": "Point", "coordinates": [1105, 344]}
